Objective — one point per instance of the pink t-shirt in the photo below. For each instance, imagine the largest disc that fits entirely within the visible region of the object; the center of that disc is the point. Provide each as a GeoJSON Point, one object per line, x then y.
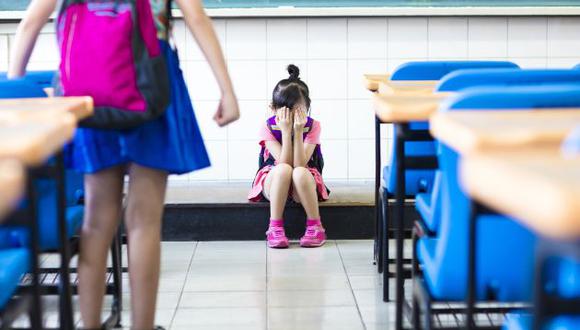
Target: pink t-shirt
{"type": "Point", "coordinates": [313, 137]}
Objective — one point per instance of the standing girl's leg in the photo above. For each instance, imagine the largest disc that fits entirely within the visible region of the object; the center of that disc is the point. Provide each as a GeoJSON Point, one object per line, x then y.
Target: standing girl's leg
{"type": "Point", "coordinates": [143, 222]}
{"type": "Point", "coordinates": [103, 194]}
{"type": "Point", "coordinates": [276, 186]}
{"type": "Point", "coordinates": [305, 192]}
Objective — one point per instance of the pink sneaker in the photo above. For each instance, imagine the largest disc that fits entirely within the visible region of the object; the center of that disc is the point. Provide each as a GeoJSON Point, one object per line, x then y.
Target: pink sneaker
{"type": "Point", "coordinates": [315, 236]}
{"type": "Point", "coordinates": [276, 237]}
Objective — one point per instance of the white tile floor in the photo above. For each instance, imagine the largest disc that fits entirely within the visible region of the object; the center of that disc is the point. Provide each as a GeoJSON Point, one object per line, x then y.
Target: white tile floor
{"type": "Point", "coordinates": [244, 285]}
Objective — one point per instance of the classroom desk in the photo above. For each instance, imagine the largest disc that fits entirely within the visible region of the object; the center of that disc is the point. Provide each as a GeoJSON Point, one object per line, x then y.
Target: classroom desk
{"type": "Point", "coordinates": [371, 81]}
{"type": "Point", "coordinates": [11, 185]}
{"type": "Point", "coordinates": [401, 110]}
{"type": "Point", "coordinates": [414, 87]}
{"type": "Point", "coordinates": [540, 188]}
{"type": "Point", "coordinates": [399, 106]}
{"type": "Point", "coordinates": [407, 108]}
{"type": "Point", "coordinates": [23, 109]}
{"type": "Point", "coordinates": [33, 142]}
{"type": "Point", "coordinates": [477, 131]}
{"type": "Point", "coordinates": [537, 186]}
{"type": "Point", "coordinates": [473, 133]}
{"type": "Point", "coordinates": [32, 131]}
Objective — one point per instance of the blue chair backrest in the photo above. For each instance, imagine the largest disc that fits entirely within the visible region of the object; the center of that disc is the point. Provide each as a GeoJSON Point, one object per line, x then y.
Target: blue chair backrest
{"type": "Point", "coordinates": [422, 180]}
{"type": "Point", "coordinates": [452, 243]}
{"type": "Point", "coordinates": [463, 79]}
{"type": "Point", "coordinates": [42, 78]}
{"type": "Point", "coordinates": [563, 95]}
{"type": "Point", "coordinates": [435, 70]}
{"type": "Point", "coordinates": [19, 88]}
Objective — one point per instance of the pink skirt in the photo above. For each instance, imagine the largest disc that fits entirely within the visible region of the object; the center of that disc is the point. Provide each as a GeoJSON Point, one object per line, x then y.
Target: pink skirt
{"type": "Point", "coordinates": [255, 194]}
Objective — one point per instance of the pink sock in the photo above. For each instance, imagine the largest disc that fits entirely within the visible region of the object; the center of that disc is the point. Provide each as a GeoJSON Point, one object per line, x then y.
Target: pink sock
{"type": "Point", "coordinates": [276, 223]}
{"type": "Point", "coordinates": [313, 222]}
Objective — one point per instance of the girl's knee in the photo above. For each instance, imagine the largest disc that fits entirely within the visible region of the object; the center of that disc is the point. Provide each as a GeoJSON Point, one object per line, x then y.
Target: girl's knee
{"type": "Point", "coordinates": [142, 218]}
{"type": "Point", "coordinates": [283, 170]}
{"type": "Point", "coordinates": [302, 176]}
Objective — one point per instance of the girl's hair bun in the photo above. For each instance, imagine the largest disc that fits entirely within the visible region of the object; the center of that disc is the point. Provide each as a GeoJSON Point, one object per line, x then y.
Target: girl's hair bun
{"type": "Point", "coordinates": [294, 72]}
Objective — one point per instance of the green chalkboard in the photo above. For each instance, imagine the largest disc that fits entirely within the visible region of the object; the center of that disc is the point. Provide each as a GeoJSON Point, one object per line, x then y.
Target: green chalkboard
{"type": "Point", "coordinates": [214, 4]}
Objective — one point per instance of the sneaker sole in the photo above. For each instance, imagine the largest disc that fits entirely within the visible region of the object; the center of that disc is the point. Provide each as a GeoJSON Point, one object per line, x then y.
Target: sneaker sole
{"type": "Point", "coordinates": [278, 246]}
{"type": "Point", "coordinates": [312, 245]}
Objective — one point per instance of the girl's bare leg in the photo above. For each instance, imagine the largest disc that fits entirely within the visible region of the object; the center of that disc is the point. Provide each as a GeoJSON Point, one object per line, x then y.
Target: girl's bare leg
{"type": "Point", "coordinates": [103, 194]}
{"type": "Point", "coordinates": [143, 222]}
{"type": "Point", "coordinates": [276, 188]}
{"type": "Point", "coordinates": [305, 191]}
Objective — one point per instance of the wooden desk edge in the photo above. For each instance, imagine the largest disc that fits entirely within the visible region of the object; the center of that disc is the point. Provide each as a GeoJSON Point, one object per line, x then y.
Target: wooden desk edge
{"type": "Point", "coordinates": [388, 116]}
{"type": "Point", "coordinates": [441, 127]}
{"type": "Point", "coordinates": [564, 213]}
{"type": "Point", "coordinates": [41, 152]}
{"type": "Point", "coordinates": [371, 81]}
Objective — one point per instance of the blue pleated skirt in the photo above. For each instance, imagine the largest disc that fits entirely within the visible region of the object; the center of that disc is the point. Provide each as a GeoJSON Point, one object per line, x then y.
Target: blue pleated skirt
{"type": "Point", "coordinates": [171, 143]}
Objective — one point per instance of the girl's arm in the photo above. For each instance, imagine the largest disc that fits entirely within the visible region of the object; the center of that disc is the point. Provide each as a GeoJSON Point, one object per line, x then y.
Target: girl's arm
{"type": "Point", "coordinates": [282, 152]}
{"type": "Point", "coordinates": [35, 18]}
{"type": "Point", "coordinates": [202, 29]}
{"type": "Point", "coordinates": [302, 152]}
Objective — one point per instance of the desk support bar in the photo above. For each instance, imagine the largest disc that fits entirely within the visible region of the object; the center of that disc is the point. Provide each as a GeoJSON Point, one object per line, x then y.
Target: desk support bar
{"type": "Point", "coordinates": [378, 258]}
{"type": "Point", "coordinates": [36, 310]}
{"type": "Point", "coordinates": [472, 271]}
{"type": "Point", "coordinates": [399, 209]}
{"type": "Point", "coordinates": [65, 300]}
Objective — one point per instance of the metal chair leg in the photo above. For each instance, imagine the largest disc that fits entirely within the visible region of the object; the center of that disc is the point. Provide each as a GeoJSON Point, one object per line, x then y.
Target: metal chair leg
{"type": "Point", "coordinates": [385, 246]}
{"type": "Point", "coordinates": [117, 263]}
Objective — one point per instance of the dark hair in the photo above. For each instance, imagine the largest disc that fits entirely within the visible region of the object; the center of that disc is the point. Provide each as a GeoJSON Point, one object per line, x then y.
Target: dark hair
{"type": "Point", "coordinates": [288, 92]}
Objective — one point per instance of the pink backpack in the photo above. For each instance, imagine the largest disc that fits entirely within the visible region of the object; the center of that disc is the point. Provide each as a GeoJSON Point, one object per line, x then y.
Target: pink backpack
{"type": "Point", "coordinates": [109, 50]}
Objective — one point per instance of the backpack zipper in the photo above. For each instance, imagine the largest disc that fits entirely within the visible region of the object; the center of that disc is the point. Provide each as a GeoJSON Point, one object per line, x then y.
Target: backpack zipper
{"type": "Point", "coordinates": [71, 34]}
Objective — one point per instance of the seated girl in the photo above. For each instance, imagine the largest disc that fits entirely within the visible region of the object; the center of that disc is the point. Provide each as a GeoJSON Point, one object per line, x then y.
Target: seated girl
{"type": "Point", "coordinates": [291, 162]}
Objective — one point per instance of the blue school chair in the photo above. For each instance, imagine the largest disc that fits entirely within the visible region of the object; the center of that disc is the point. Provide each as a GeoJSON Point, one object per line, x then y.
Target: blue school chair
{"type": "Point", "coordinates": [32, 85]}
{"type": "Point", "coordinates": [14, 264]}
{"type": "Point", "coordinates": [465, 80]}
{"type": "Point", "coordinates": [435, 70]}
{"type": "Point", "coordinates": [524, 321]}
{"type": "Point", "coordinates": [416, 180]}
{"type": "Point", "coordinates": [558, 286]}
{"type": "Point", "coordinates": [46, 204]}
{"type": "Point", "coordinates": [500, 276]}
{"type": "Point", "coordinates": [49, 240]}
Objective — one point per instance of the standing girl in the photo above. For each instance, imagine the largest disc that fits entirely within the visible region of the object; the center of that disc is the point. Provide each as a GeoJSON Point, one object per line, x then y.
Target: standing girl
{"type": "Point", "coordinates": [170, 144]}
{"type": "Point", "coordinates": [291, 162]}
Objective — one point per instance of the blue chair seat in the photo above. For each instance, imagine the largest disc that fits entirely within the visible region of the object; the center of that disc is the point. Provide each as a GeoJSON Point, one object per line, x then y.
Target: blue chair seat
{"type": "Point", "coordinates": [444, 262]}
{"type": "Point", "coordinates": [423, 206]}
{"type": "Point", "coordinates": [525, 321]}
{"type": "Point", "coordinates": [416, 181]}
{"type": "Point", "coordinates": [428, 205]}
{"type": "Point", "coordinates": [563, 277]}
{"type": "Point", "coordinates": [48, 229]}
{"type": "Point", "coordinates": [14, 263]}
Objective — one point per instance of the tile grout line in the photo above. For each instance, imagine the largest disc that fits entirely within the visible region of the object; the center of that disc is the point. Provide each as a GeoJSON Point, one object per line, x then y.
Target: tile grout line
{"type": "Point", "coordinates": [350, 286]}
{"type": "Point", "coordinates": [183, 286]}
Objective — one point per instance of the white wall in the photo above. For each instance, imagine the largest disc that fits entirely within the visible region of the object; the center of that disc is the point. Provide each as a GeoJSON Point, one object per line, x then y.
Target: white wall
{"type": "Point", "coordinates": [333, 53]}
